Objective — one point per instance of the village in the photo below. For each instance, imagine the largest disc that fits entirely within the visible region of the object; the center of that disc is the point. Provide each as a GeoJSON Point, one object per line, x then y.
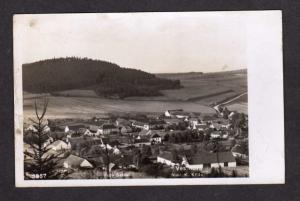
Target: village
{"type": "Point", "coordinates": [172, 144]}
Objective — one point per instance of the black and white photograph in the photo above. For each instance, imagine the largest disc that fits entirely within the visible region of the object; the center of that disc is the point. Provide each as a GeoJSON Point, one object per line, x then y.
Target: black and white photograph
{"type": "Point", "coordinates": [154, 98]}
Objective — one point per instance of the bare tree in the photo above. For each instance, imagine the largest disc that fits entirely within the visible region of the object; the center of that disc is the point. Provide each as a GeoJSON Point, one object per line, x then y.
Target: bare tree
{"type": "Point", "coordinates": [39, 163]}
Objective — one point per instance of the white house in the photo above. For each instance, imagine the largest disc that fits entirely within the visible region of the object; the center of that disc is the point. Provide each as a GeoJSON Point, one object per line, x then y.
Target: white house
{"type": "Point", "coordinates": [215, 134]}
{"type": "Point", "coordinates": [156, 138]}
{"type": "Point", "coordinates": [67, 129]}
{"type": "Point", "coordinates": [179, 113]}
{"type": "Point", "coordinates": [200, 127]}
{"type": "Point", "coordinates": [141, 125]}
{"type": "Point", "coordinates": [211, 160]}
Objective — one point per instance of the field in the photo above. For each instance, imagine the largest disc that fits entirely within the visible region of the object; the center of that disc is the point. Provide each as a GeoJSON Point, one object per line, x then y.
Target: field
{"type": "Point", "coordinates": [84, 107]}
{"type": "Point", "coordinates": [209, 87]}
{"type": "Point", "coordinates": [198, 93]}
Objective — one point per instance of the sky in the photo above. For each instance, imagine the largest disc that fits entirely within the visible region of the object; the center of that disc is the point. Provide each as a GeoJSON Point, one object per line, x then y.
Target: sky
{"type": "Point", "coordinates": [152, 42]}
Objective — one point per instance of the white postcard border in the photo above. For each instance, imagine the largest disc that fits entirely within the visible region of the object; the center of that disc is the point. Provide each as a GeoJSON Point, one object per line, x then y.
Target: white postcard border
{"type": "Point", "coordinates": [265, 109]}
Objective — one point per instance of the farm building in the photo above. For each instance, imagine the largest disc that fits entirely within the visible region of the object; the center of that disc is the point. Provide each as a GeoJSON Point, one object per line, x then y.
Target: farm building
{"type": "Point", "coordinates": [178, 113]}
{"type": "Point", "coordinates": [142, 125]}
{"type": "Point", "coordinates": [210, 160]}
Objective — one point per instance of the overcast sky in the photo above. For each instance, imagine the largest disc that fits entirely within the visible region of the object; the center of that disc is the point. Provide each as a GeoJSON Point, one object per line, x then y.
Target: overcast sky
{"type": "Point", "coordinates": [153, 42]}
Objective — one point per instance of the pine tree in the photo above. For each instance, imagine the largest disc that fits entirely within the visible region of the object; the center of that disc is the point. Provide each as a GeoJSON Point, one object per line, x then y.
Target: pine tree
{"type": "Point", "coordinates": [41, 164]}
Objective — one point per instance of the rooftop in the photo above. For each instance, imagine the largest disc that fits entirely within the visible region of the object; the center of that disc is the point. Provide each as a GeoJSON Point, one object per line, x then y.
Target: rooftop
{"type": "Point", "coordinates": [203, 158]}
{"type": "Point", "coordinates": [167, 155]}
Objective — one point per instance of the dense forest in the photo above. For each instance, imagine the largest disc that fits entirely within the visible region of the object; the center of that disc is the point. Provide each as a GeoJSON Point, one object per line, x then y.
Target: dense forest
{"type": "Point", "coordinates": [105, 78]}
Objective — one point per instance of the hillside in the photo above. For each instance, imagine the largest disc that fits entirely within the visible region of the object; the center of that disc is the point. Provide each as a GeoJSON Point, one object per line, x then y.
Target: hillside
{"type": "Point", "coordinates": [207, 88]}
{"type": "Point", "coordinates": [105, 78]}
{"type": "Point", "coordinates": [198, 93]}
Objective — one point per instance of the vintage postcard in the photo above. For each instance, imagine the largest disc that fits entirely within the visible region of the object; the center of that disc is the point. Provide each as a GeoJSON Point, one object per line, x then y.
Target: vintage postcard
{"type": "Point", "coordinates": [129, 99]}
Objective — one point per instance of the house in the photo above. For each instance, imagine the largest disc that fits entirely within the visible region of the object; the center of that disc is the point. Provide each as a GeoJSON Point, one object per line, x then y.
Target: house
{"type": "Point", "coordinates": [200, 127]}
{"type": "Point", "coordinates": [178, 113]}
{"type": "Point", "coordinates": [215, 135]}
{"type": "Point", "coordinates": [153, 116]}
{"type": "Point", "coordinates": [157, 136]}
{"type": "Point", "coordinates": [70, 127]}
{"type": "Point", "coordinates": [173, 121]}
{"type": "Point", "coordinates": [75, 162]}
{"type": "Point", "coordinates": [155, 139]}
{"type": "Point", "coordinates": [218, 108]}
{"type": "Point", "coordinates": [169, 113]}
{"type": "Point", "coordinates": [81, 131]}
{"type": "Point", "coordinates": [67, 129]}
{"type": "Point", "coordinates": [139, 141]}
{"type": "Point", "coordinates": [107, 129]}
{"type": "Point", "coordinates": [193, 122]}
{"type": "Point", "coordinates": [87, 132]}
{"type": "Point", "coordinates": [142, 125]}
{"type": "Point", "coordinates": [125, 129]}
{"type": "Point", "coordinates": [59, 145]}
{"type": "Point", "coordinates": [123, 122]}
{"type": "Point", "coordinates": [219, 125]}
{"type": "Point", "coordinates": [95, 130]}
{"type": "Point", "coordinates": [116, 151]}
{"type": "Point", "coordinates": [204, 160]}
{"type": "Point", "coordinates": [167, 158]}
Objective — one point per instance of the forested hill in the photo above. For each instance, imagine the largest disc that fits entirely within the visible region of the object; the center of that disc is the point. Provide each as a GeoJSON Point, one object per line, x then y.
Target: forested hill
{"type": "Point", "coordinates": [105, 78]}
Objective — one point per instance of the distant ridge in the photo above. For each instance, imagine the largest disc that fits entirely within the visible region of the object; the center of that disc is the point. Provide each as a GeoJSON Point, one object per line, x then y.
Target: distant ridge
{"type": "Point", "coordinates": [195, 72]}
{"type": "Point", "coordinates": [105, 78]}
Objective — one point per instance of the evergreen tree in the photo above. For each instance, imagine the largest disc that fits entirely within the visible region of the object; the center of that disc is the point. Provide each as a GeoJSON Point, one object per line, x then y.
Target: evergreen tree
{"type": "Point", "coordinates": [41, 163]}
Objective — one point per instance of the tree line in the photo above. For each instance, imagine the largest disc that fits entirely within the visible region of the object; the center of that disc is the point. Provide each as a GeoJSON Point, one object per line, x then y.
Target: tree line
{"type": "Point", "coordinates": [105, 78]}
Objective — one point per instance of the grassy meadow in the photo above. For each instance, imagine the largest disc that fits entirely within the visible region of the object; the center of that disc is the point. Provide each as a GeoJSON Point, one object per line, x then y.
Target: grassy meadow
{"type": "Point", "coordinates": [198, 93]}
